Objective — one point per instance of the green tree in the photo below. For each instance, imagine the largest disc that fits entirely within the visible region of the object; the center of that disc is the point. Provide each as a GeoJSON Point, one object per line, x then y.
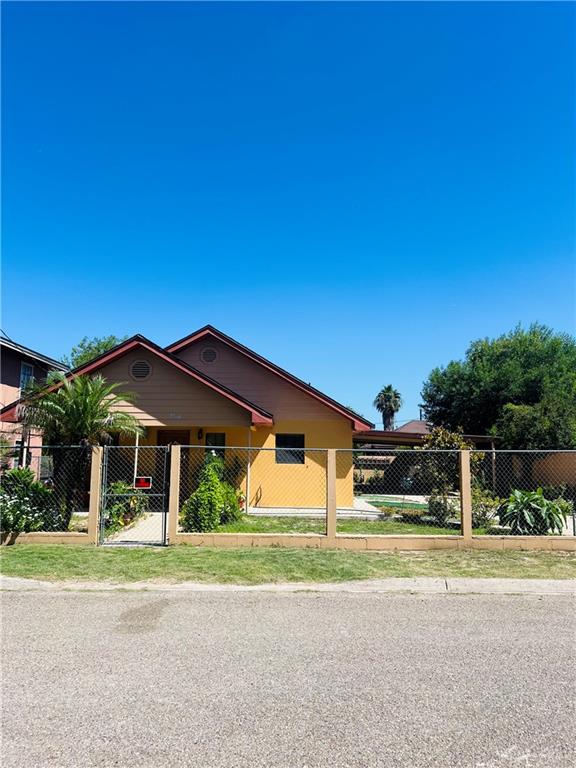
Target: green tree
{"type": "Point", "coordinates": [87, 349]}
{"type": "Point", "coordinates": [83, 411]}
{"type": "Point", "coordinates": [520, 386]}
{"type": "Point", "coordinates": [388, 402]}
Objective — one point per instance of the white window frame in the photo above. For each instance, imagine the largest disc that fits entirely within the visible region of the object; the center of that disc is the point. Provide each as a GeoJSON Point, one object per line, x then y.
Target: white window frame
{"type": "Point", "coordinates": [25, 380]}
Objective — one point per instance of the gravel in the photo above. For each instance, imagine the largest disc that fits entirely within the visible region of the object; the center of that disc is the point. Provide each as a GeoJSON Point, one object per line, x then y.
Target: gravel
{"type": "Point", "coordinates": [299, 680]}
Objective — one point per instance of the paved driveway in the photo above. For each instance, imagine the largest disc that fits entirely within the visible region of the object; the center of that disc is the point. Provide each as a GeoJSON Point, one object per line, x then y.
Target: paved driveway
{"type": "Point", "coordinates": [302, 679]}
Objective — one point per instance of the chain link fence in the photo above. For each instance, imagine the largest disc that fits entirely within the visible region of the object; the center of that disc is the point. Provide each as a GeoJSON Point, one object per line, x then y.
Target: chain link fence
{"type": "Point", "coordinates": [46, 489]}
{"type": "Point", "coordinates": [395, 492]}
{"type": "Point", "coordinates": [134, 494]}
{"type": "Point", "coordinates": [398, 492]}
{"type": "Point", "coordinates": [530, 493]}
{"type": "Point", "coordinates": [252, 490]}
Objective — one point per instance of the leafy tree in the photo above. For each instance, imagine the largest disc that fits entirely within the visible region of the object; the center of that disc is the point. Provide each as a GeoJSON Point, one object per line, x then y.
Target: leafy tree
{"type": "Point", "coordinates": [439, 469]}
{"type": "Point", "coordinates": [87, 349]}
{"type": "Point", "coordinates": [388, 402]}
{"type": "Point", "coordinates": [520, 386]}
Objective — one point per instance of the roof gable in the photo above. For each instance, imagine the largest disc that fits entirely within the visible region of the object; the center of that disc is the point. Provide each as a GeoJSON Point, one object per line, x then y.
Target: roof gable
{"type": "Point", "coordinates": [258, 415]}
{"type": "Point", "coordinates": [358, 423]}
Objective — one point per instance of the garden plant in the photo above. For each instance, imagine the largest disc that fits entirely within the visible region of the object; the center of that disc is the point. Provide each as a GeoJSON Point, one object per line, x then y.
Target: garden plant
{"type": "Point", "coordinates": [214, 502]}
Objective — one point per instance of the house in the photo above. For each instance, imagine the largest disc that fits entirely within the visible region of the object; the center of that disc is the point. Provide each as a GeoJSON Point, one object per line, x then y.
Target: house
{"type": "Point", "coordinates": [19, 366]}
{"type": "Point", "coordinates": [415, 426]}
{"type": "Point", "coordinates": [209, 390]}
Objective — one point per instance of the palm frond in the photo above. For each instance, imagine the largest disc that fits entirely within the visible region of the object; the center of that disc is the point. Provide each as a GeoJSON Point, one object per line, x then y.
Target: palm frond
{"type": "Point", "coordinates": [84, 409]}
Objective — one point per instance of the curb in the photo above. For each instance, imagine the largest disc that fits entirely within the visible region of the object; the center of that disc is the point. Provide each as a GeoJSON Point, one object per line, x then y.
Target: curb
{"type": "Point", "coordinates": [424, 585]}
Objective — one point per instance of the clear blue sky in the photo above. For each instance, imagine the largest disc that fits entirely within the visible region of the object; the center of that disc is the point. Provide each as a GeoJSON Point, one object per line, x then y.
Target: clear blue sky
{"type": "Point", "coordinates": [356, 191]}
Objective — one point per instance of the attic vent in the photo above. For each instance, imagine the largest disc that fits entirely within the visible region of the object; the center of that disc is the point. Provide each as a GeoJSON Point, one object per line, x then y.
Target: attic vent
{"type": "Point", "coordinates": [140, 370]}
{"type": "Point", "coordinates": [208, 355]}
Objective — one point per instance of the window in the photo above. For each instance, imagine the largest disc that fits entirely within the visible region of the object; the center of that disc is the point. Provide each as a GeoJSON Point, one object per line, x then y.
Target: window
{"type": "Point", "coordinates": [216, 440]}
{"type": "Point", "coordinates": [290, 443]}
{"type": "Point", "coordinates": [17, 453]}
{"type": "Point", "coordinates": [26, 375]}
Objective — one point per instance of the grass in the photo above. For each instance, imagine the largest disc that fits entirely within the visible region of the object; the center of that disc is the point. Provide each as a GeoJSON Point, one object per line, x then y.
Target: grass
{"type": "Point", "coordinates": [387, 503]}
{"type": "Point", "coordinates": [78, 523]}
{"type": "Point", "coordinates": [257, 566]}
{"type": "Point", "coordinates": [253, 524]}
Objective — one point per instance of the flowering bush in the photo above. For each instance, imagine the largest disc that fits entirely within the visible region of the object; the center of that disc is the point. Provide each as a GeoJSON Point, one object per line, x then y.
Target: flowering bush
{"type": "Point", "coordinates": [26, 505]}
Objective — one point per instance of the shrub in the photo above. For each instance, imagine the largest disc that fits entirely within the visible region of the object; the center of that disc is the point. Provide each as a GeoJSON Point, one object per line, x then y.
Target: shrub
{"type": "Point", "coordinates": [125, 506]}
{"type": "Point", "coordinates": [530, 513]}
{"type": "Point", "coordinates": [484, 507]}
{"type": "Point", "coordinates": [26, 505]}
{"type": "Point", "coordinates": [231, 510]}
{"type": "Point", "coordinates": [214, 502]}
{"type": "Point", "coordinates": [440, 508]}
{"type": "Point", "coordinates": [18, 515]}
{"type": "Point", "coordinates": [438, 471]}
{"type": "Point", "coordinates": [554, 492]}
{"type": "Point", "coordinates": [201, 512]}
{"type": "Point", "coordinates": [375, 482]}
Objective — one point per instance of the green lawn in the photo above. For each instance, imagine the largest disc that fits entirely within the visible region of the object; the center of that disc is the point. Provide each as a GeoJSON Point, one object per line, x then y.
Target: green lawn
{"type": "Point", "coordinates": [280, 524]}
{"type": "Point", "coordinates": [388, 503]}
{"type": "Point", "coordinates": [256, 566]}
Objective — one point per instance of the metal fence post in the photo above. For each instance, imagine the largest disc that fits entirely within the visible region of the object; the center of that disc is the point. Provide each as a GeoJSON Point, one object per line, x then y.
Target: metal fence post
{"type": "Point", "coordinates": [331, 494]}
{"type": "Point", "coordinates": [465, 495]}
{"type": "Point", "coordinates": [174, 495]}
{"type": "Point", "coordinates": [95, 493]}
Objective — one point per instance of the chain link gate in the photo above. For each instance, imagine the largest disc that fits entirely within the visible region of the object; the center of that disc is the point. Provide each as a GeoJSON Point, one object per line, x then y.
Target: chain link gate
{"type": "Point", "coordinates": [134, 505]}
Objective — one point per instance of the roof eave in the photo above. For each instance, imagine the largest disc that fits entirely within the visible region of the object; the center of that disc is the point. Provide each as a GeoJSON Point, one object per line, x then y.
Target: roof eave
{"type": "Point", "coordinates": [257, 416]}
{"type": "Point", "coordinates": [356, 423]}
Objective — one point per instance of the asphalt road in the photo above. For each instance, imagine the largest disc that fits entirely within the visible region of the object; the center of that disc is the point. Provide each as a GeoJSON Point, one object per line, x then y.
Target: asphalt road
{"type": "Point", "coordinates": [299, 680]}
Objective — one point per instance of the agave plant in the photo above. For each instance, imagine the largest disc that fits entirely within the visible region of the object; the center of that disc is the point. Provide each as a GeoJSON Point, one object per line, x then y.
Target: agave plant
{"type": "Point", "coordinates": [530, 513]}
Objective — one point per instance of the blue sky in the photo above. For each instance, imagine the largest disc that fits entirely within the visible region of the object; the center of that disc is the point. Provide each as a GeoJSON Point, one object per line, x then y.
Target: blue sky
{"type": "Point", "coordinates": [356, 191]}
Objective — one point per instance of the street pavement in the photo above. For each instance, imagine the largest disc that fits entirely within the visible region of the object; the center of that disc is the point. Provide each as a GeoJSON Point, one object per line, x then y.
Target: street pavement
{"type": "Point", "coordinates": [287, 679]}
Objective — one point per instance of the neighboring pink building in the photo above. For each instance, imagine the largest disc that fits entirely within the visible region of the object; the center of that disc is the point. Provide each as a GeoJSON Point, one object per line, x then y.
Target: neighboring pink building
{"type": "Point", "coordinates": [18, 366]}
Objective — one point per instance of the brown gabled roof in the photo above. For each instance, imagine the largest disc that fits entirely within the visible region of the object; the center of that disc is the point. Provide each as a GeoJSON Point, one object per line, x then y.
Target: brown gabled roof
{"type": "Point", "coordinates": [359, 423]}
{"type": "Point", "coordinates": [258, 415]}
{"type": "Point", "coordinates": [418, 426]}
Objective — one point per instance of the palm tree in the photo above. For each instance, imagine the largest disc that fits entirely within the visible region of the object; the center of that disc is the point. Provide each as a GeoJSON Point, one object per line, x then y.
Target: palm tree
{"type": "Point", "coordinates": [80, 411]}
{"type": "Point", "coordinates": [83, 411]}
{"type": "Point", "coordinates": [388, 401]}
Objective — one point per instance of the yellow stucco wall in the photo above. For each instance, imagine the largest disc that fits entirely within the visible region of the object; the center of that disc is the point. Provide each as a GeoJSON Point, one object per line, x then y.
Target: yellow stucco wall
{"type": "Point", "coordinates": [256, 472]}
{"type": "Point", "coordinates": [301, 485]}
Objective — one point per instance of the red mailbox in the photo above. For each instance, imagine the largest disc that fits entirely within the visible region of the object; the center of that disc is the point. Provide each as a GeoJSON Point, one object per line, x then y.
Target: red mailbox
{"type": "Point", "coordinates": [143, 483]}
